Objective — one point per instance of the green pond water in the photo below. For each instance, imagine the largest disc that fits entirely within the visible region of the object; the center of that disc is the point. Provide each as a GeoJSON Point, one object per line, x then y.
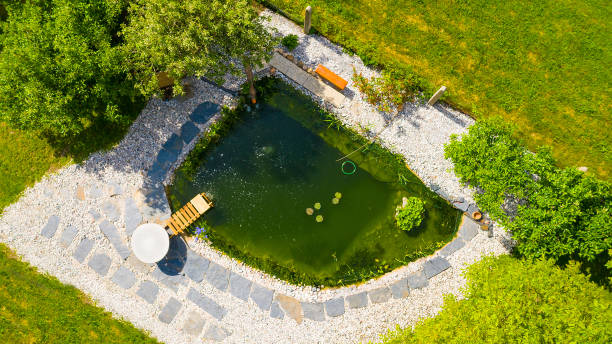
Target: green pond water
{"type": "Point", "coordinates": [280, 160]}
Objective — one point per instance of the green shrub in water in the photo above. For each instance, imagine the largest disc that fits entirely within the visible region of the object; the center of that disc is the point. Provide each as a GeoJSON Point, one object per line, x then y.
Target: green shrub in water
{"type": "Point", "coordinates": [410, 214]}
{"type": "Point", "coordinates": [290, 42]}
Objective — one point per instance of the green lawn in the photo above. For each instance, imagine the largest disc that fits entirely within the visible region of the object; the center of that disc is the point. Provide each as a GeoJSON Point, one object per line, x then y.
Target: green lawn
{"type": "Point", "coordinates": [544, 65]}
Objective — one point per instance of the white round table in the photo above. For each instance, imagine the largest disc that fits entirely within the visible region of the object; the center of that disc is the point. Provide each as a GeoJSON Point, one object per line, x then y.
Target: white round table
{"type": "Point", "coordinates": [150, 243]}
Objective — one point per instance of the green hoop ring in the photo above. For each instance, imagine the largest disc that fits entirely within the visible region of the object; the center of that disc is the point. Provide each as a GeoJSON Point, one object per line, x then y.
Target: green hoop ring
{"type": "Point", "coordinates": [351, 163]}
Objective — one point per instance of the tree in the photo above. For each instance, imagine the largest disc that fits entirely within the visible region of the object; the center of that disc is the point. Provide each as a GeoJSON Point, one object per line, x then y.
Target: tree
{"type": "Point", "coordinates": [194, 37]}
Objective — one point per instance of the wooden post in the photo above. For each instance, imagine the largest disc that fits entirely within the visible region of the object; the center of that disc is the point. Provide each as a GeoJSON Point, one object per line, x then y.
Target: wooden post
{"type": "Point", "coordinates": [436, 96]}
{"type": "Point", "coordinates": [249, 73]}
{"type": "Point", "coordinates": [307, 17]}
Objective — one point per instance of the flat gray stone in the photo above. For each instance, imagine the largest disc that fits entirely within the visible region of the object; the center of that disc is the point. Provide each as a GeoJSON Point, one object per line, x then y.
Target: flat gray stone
{"type": "Point", "coordinates": [452, 247]}
{"type": "Point", "coordinates": [68, 235]}
{"type": "Point", "coordinates": [206, 304]}
{"type": "Point", "coordinates": [463, 205]}
{"type": "Point", "coordinates": [49, 229]}
{"type": "Point", "coordinates": [435, 266]}
{"type": "Point", "coordinates": [189, 131]}
{"type": "Point", "coordinates": [83, 249]}
{"type": "Point", "coordinates": [469, 229]}
{"type": "Point", "coordinates": [380, 295]}
{"type": "Point", "coordinates": [132, 216]}
{"type": "Point", "coordinates": [216, 333]}
{"type": "Point", "coordinates": [262, 296]}
{"type": "Point", "coordinates": [100, 263]}
{"type": "Point", "coordinates": [170, 310]}
{"type": "Point", "coordinates": [195, 266]}
{"type": "Point", "coordinates": [193, 324]}
{"type": "Point", "coordinates": [240, 287]}
{"type": "Point", "coordinates": [334, 307]}
{"type": "Point", "coordinates": [148, 291]}
{"type": "Point", "coordinates": [173, 144]}
{"type": "Point", "coordinates": [358, 300]}
{"type": "Point", "coordinates": [95, 215]}
{"type": "Point", "coordinates": [95, 192]}
{"type": "Point", "coordinates": [417, 280]}
{"type": "Point", "coordinates": [218, 276]}
{"type": "Point", "coordinates": [313, 311]}
{"type": "Point", "coordinates": [171, 281]}
{"type": "Point", "coordinates": [137, 265]}
{"type": "Point", "coordinates": [111, 211]}
{"type": "Point", "coordinates": [276, 311]}
{"type": "Point", "coordinates": [400, 289]}
{"type": "Point", "coordinates": [112, 234]}
{"type": "Point", "coordinates": [124, 278]}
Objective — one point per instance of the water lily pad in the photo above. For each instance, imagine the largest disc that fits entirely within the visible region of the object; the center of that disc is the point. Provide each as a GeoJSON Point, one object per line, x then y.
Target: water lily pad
{"type": "Point", "coordinates": [319, 218]}
{"type": "Point", "coordinates": [338, 195]}
{"type": "Point", "coordinates": [309, 211]}
{"type": "Point", "coordinates": [335, 200]}
{"type": "Point", "coordinates": [317, 205]}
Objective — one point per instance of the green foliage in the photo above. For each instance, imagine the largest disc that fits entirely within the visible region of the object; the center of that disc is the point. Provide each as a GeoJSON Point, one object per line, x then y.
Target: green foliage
{"type": "Point", "coordinates": [518, 301]}
{"type": "Point", "coordinates": [193, 37]}
{"type": "Point", "coordinates": [410, 214]}
{"type": "Point", "coordinates": [390, 91]}
{"type": "Point", "coordinates": [552, 212]}
{"type": "Point", "coordinates": [290, 42]}
{"type": "Point", "coordinates": [37, 308]}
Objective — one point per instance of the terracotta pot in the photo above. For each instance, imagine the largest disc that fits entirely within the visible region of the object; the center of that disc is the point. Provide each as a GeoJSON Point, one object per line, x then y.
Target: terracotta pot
{"type": "Point", "coordinates": [476, 215]}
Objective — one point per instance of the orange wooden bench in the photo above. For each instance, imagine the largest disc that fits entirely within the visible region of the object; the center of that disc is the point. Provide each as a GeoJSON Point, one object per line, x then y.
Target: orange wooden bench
{"type": "Point", "coordinates": [331, 77]}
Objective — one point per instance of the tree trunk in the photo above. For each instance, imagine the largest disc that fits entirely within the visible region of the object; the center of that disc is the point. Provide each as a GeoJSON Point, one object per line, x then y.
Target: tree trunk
{"type": "Point", "coordinates": [249, 73]}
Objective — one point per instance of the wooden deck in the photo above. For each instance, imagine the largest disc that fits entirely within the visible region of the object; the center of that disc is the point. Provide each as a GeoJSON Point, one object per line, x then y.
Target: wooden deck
{"type": "Point", "coordinates": [184, 217]}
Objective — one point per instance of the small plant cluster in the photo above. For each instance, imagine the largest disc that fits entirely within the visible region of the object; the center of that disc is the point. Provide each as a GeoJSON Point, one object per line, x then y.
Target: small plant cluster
{"type": "Point", "coordinates": [290, 42]}
{"type": "Point", "coordinates": [317, 207]}
{"type": "Point", "coordinates": [410, 214]}
{"type": "Point", "coordinates": [201, 233]}
{"type": "Point", "coordinates": [390, 91]}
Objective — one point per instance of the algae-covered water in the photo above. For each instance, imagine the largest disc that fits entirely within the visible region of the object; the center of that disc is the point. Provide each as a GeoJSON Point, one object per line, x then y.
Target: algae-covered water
{"type": "Point", "coordinates": [281, 159]}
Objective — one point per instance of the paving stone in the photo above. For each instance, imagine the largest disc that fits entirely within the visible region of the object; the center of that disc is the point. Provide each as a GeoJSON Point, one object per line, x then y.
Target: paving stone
{"type": "Point", "coordinates": [100, 263]}
{"type": "Point", "coordinates": [165, 158]}
{"type": "Point", "coordinates": [49, 229]}
{"type": "Point", "coordinates": [435, 266]}
{"type": "Point", "coordinates": [156, 204]}
{"type": "Point", "coordinates": [111, 233]}
{"type": "Point", "coordinates": [400, 289]}
{"type": "Point", "coordinates": [380, 295]}
{"type": "Point", "coordinates": [218, 276]}
{"type": "Point", "coordinates": [170, 310]}
{"type": "Point", "coordinates": [240, 287]}
{"type": "Point", "coordinates": [171, 281]}
{"type": "Point", "coordinates": [195, 266]}
{"type": "Point", "coordinates": [137, 265]}
{"type": "Point", "coordinates": [95, 215]}
{"type": "Point", "coordinates": [291, 306]}
{"type": "Point", "coordinates": [469, 229]}
{"type": "Point", "coordinates": [68, 235]}
{"type": "Point", "coordinates": [193, 324]}
{"type": "Point", "coordinates": [206, 304]}
{"type": "Point", "coordinates": [148, 291]}
{"type": "Point", "coordinates": [95, 192]}
{"type": "Point", "coordinates": [83, 249]}
{"type": "Point", "coordinates": [262, 296]}
{"type": "Point", "coordinates": [276, 311]}
{"type": "Point", "coordinates": [124, 278]}
{"type": "Point", "coordinates": [204, 112]}
{"type": "Point", "coordinates": [313, 311]}
{"type": "Point", "coordinates": [132, 216]}
{"type": "Point", "coordinates": [417, 280]}
{"type": "Point", "coordinates": [189, 131]}
{"type": "Point", "coordinates": [157, 172]}
{"type": "Point", "coordinates": [216, 333]}
{"type": "Point", "coordinates": [173, 144]}
{"type": "Point", "coordinates": [111, 211]}
{"type": "Point", "coordinates": [452, 247]}
{"type": "Point", "coordinates": [335, 307]}
{"type": "Point", "coordinates": [358, 300]}
{"type": "Point", "coordinates": [463, 205]}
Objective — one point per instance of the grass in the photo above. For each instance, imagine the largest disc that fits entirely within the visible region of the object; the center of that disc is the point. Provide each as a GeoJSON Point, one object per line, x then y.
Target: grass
{"type": "Point", "coordinates": [37, 308]}
{"type": "Point", "coordinates": [543, 65]}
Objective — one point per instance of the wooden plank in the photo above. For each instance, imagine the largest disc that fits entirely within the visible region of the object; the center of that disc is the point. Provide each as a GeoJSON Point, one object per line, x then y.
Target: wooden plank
{"type": "Point", "coordinates": [192, 210]}
{"type": "Point", "coordinates": [172, 226]}
{"type": "Point", "coordinates": [183, 219]}
{"type": "Point", "coordinates": [178, 220]}
{"type": "Point", "coordinates": [200, 204]}
{"type": "Point", "coordinates": [185, 215]}
{"type": "Point", "coordinates": [192, 215]}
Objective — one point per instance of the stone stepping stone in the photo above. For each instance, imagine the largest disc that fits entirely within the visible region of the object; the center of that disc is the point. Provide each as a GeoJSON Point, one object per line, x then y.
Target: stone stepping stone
{"type": "Point", "coordinates": [276, 311]}
{"type": "Point", "coordinates": [204, 112]}
{"type": "Point", "coordinates": [313, 311]}
{"type": "Point", "coordinates": [68, 235]}
{"type": "Point", "coordinates": [157, 172]}
{"type": "Point", "coordinates": [400, 289]}
{"type": "Point", "coordinates": [218, 276]}
{"type": "Point", "coordinates": [189, 131]}
{"type": "Point", "coordinates": [216, 333]}
{"type": "Point", "coordinates": [83, 249]}
{"type": "Point", "coordinates": [165, 158]}
{"type": "Point", "coordinates": [193, 324]}
{"type": "Point", "coordinates": [262, 296]}
{"type": "Point", "coordinates": [173, 144]}
{"type": "Point", "coordinates": [148, 291]}
{"type": "Point", "coordinates": [156, 204]}
{"type": "Point", "coordinates": [291, 306]}
{"type": "Point", "coordinates": [132, 216]}
{"type": "Point", "coordinates": [195, 266]}
{"type": "Point", "coordinates": [380, 295]}
{"type": "Point", "coordinates": [100, 263]}
{"type": "Point", "coordinates": [334, 307]}
{"type": "Point", "coordinates": [112, 234]}
{"type": "Point", "coordinates": [124, 278]}
{"type": "Point", "coordinates": [138, 265]}
{"type": "Point", "coordinates": [111, 211]}
{"type": "Point", "coordinates": [417, 280]}
{"type": "Point", "coordinates": [171, 281]}
{"type": "Point", "coordinates": [169, 311]}
{"type": "Point", "coordinates": [435, 266]}
{"type": "Point", "coordinates": [469, 229]}
{"type": "Point", "coordinates": [359, 300]}
{"type": "Point", "coordinates": [452, 247]}
{"type": "Point", "coordinates": [240, 287]}
{"type": "Point", "coordinates": [49, 229]}
{"type": "Point", "coordinates": [462, 205]}
{"type": "Point", "coordinates": [206, 304]}
{"type": "Point", "coordinates": [95, 215]}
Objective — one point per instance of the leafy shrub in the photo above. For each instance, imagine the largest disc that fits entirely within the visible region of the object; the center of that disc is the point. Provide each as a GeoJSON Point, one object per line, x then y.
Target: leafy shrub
{"type": "Point", "coordinates": [290, 42]}
{"type": "Point", "coordinates": [390, 91]}
{"type": "Point", "coordinates": [410, 214]}
{"type": "Point", "coordinates": [508, 300]}
{"type": "Point", "coordinates": [551, 212]}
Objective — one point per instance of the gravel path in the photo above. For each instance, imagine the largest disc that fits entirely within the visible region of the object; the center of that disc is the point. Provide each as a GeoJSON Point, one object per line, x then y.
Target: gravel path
{"type": "Point", "coordinates": [75, 224]}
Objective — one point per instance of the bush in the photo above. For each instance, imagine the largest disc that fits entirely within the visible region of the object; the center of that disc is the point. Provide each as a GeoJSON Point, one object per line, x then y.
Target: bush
{"type": "Point", "coordinates": [390, 91]}
{"type": "Point", "coordinates": [410, 214]}
{"type": "Point", "coordinates": [508, 300]}
{"type": "Point", "coordinates": [290, 42]}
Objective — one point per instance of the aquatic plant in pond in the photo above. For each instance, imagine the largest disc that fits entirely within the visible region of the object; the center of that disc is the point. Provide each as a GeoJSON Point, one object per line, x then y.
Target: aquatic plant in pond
{"type": "Point", "coordinates": [410, 214]}
{"type": "Point", "coordinates": [274, 178]}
